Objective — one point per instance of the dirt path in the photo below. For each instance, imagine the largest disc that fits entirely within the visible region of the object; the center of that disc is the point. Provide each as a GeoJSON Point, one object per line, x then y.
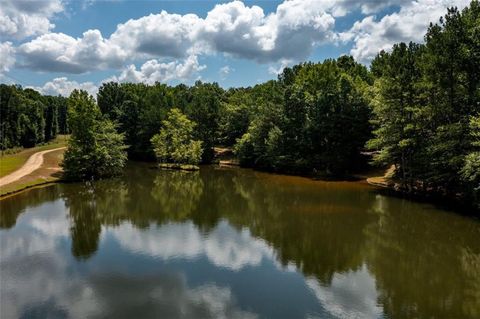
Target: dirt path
{"type": "Point", "coordinates": [33, 163]}
{"type": "Point", "coordinates": [382, 181]}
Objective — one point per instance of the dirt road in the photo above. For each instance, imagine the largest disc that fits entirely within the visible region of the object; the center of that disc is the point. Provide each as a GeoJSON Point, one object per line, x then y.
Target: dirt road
{"type": "Point", "coordinates": [34, 162]}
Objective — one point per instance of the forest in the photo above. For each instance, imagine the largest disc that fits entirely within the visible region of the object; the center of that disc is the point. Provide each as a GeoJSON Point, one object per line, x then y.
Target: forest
{"type": "Point", "coordinates": [417, 107]}
{"type": "Point", "coordinates": [28, 118]}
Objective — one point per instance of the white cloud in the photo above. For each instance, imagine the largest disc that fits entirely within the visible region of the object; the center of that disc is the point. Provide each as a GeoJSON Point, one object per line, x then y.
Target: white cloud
{"type": "Point", "coordinates": [289, 32]}
{"type": "Point", "coordinates": [282, 37]}
{"type": "Point", "coordinates": [279, 69]}
{"type": "Point", "coordinates": [150, 72]}
{"type": "Point", "coordinates": [409, 24]}
{"type": "Point", "coordinates": [24, 18]}
{"type": "Point", "coordinates": [232, 28]}
{"type": "Point", "coordinates": [225, 71]}
{"type": "Point", "coordinates": [154, 71]}
{"type": "Point", "coordinates": [63, 86]}
{"type": "Point", "coordinates": [58, 52]}
{"type": "Point", "coordinates": [163, 34]}
{"type": "Point", "coordinates": [7, 56]}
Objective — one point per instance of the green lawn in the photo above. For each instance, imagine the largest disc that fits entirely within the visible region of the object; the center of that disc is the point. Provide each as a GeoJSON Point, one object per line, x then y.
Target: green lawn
{"type": "Point", "coordinates": [12, 162]}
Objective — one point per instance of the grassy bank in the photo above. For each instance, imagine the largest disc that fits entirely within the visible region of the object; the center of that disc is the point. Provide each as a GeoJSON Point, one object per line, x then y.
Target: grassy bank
{"type": "Point", "coordinates": [49, 172]}
{"type": "Point", "coordinates": [11, 162]}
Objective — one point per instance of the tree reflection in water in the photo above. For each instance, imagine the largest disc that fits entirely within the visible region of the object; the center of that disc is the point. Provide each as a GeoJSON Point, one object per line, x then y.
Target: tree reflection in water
{"type": "Point", "coordinates": [410, 259]}
{"type": "Point", "coordinates": [177, 194]}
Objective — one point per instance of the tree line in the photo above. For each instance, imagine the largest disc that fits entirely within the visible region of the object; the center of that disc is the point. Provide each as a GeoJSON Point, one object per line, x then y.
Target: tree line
{"type": "Point", "coordinates": [417, 108]}
{"type": "Point", "coordinates": [314, 117]}
{"type": "Point", "coordinates": [426, 107]}
{"type": "Point", "coordinates": [28, 118]}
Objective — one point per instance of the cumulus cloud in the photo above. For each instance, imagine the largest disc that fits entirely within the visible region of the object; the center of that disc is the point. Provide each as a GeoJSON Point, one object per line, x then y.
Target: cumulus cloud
{"type": "Point", "coordinates": [58, 52]}
{"type": "Point", "coordinates": [24, 18]}
{"type": "Point", "coordinates": [154, 71]}
{"type": "Point", "coordinates": [7, 56]}
{"type": "Point", "coordinates": [371, 35]}
{"type": "Point", "coordinates": [231, 28]}
{"type": "Point", "coordinates": [63, 86]}
{"type": "Point", "coordinates": [289, 32]}
{"type": "Point", "coordinates": [164, 34]}
{"type": "Point", "coordinates": [284, 36]}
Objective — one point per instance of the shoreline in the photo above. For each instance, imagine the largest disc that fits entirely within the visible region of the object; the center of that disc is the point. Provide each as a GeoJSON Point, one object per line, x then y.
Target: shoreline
{"type": "Point", "coordinates": [48, 172]}
{"type": "Point", "coordinates": [386, 186]}
{"type": "Point", "coordinates": [379, 183]}
{"type": "Point", "coordinates": [29, 187]}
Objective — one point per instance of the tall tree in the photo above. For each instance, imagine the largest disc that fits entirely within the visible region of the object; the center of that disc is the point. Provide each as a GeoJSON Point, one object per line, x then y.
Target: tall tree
{"type": "Point", "coordinates": [471, 168]}
{"type": "Point", "coordinates": [452, 72]}
{"type": "Point", "coordinates": [204, 109]}
{"type": "Point", "coordinates": [398, 111]}
{"type": "Point", "coordinates": [95, 149]}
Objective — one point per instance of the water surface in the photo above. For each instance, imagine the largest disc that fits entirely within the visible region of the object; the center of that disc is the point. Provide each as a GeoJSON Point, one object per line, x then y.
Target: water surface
{"type": "Point", "coordinates": [232, 243]}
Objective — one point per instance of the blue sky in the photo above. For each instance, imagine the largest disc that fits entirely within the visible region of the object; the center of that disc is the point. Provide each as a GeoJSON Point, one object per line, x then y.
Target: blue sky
{"type": "Point", "coordinates": [57, 45]}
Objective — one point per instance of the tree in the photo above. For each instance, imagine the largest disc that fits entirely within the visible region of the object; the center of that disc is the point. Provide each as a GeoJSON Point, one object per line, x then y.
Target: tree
{"type": "Point", "coordinates": [253, 148]}
{"type": "Point", "coordinates": [95, 150]}
{"type": "Point", "coordinates": [27, 118]}
{"type": "Point", "coordinates": [51, 117]}
{"type": "Point", "coordinates": [174, 143]}
{"type": "Point", "coordinates": [452, 74]}
{"type": "Point", "coordinates": [471, 168]}
{"type": "Point", "coordinates": [204, 110]}
{"type": "Point", "coordinates": [314, 118]}
{"type": "Point", "coordinates": [334, 116]}
{"type": "Point", "coordinates": [398, 112]}
{"type": "Point", "coordinates": [424, 99]}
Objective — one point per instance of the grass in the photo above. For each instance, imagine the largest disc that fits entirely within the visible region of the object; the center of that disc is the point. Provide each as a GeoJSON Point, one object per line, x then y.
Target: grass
{"type": "Point", "coordinates": [49, 172]}
{"type": "Point", "coordinates": [11, 162]}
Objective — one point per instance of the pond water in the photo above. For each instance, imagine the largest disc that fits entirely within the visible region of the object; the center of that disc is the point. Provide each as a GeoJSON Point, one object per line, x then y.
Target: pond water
{"type": "Point", "coordinates": [233, 243]}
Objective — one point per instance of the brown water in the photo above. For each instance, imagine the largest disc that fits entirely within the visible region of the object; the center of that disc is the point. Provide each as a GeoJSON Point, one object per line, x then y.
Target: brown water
{"type": "Point", "coordinates": [233, 243]}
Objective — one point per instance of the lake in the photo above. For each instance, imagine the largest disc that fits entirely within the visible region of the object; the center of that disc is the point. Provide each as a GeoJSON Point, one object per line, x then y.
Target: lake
{"type": "Point", "coordinates": [233, 243]}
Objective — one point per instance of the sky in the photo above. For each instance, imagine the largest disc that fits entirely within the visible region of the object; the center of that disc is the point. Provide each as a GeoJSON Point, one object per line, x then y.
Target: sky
{"type": "Point", "coordinates": [56, 46]}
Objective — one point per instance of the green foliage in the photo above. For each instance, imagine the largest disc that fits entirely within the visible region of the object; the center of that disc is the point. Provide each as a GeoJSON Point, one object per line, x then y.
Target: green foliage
{"type": "Point", "coordinates": [26, 117]}
{"type": "Point", "coordinates": [95, 150]}
{"type": "Point", "coordinates": [398, 110]}
{"type": "Point", "coordinates": [315, 118]}
{"type": "Point", "coordinates": [138, 109]}
{"type": "Point", "coordinates": [234, 121]}
{"type": "Point", "coordinates": [414, 107]}
{"type": "Point", "coordinates": [174, 143]}
{"type": "Point", "coordinates": [424, 98]}
{"type": "Point", "coordinates": [471, 168]}
{"type": "Point", "coordinates": [204, 109]}
{"type": "Point", "coordinates": [251, 148]}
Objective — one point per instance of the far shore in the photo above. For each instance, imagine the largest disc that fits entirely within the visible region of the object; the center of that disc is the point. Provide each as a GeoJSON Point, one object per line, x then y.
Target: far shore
{"type": "Point", "coordinates": [51, 172]}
